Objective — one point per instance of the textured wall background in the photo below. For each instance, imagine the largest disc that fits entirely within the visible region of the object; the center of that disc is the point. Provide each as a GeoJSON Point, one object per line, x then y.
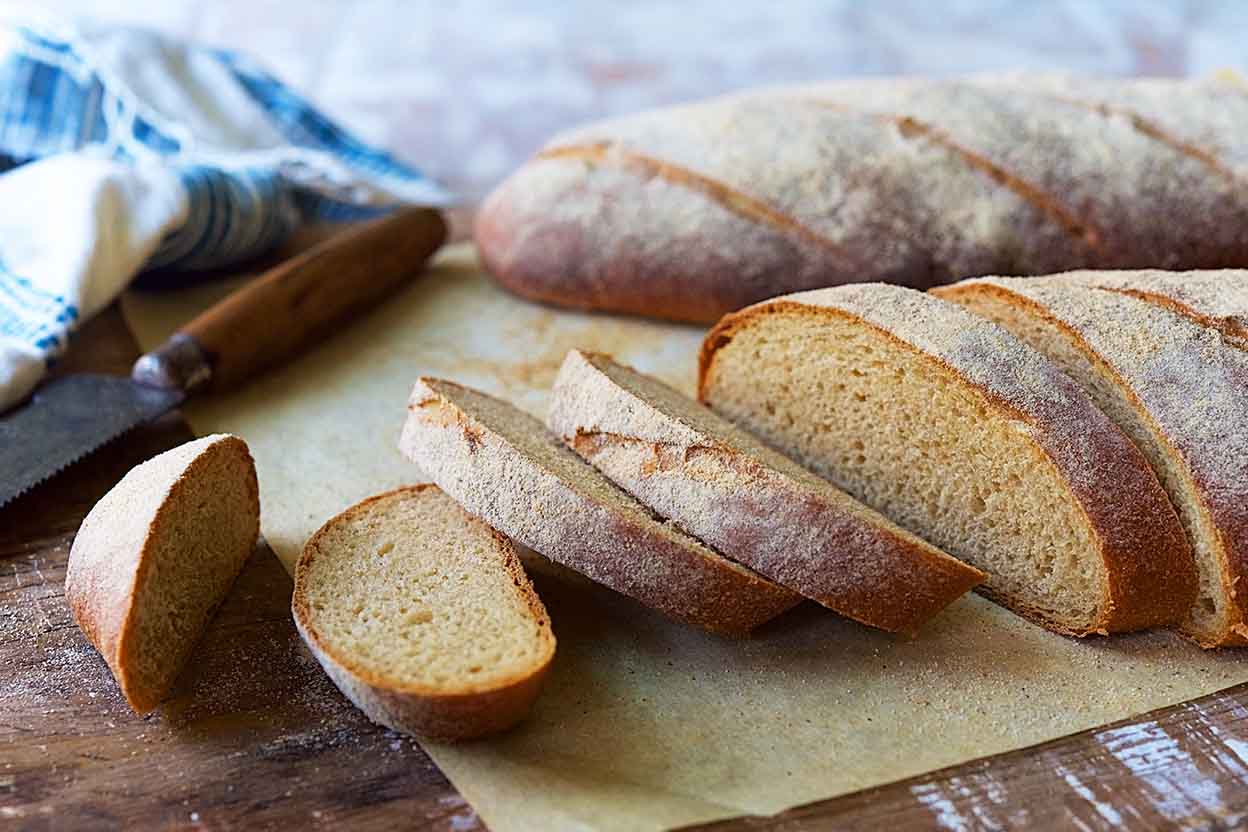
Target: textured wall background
{"type": "Point", "coordinates": [469, 89]}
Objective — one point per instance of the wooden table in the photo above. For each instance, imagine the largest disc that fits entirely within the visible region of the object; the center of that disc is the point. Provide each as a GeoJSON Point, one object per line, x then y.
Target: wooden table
{"type": "Point", "coordinates": [257, 737]}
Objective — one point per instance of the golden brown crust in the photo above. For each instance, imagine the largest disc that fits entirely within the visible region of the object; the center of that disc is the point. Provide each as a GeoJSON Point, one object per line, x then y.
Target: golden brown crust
{"type": "Point", "coordinates": [1232, 327]}
{"type": "Point", "coordinates": [1151, 577]}
{"type": "Point", "coordinates": [750, 503]}
{"type": "Point", "coordinates": [109, 560]}
{"type": "Point", "coordinates": [1214, 298]}
{"type": "Point", "coordinates": [470, 711]}
{"type": "Point", "coordinates": [623, 548]}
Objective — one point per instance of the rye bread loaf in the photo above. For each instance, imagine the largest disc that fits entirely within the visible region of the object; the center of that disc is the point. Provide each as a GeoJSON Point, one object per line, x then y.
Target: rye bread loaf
{"type": "Point", "coordinates": [423, 616]}
{"type": "Point", "coordinates": [692, 211]}
{"type": "Point", "coordinates": [749, 502]}
{"type": "Point", "coordinates": [1216, 298]}
{"type": "Point", "coordinates": [156, 556]}
{"type": "Point", "coordinates": [1177, 389]}
{"type": "Point", "coordinates": [503, 466]}
{"type": "Point", "coordinates": [955, 429]}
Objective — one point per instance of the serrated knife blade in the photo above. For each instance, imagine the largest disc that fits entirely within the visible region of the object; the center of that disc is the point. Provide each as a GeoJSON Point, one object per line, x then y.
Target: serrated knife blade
{"type": "Point", "coordinates": [67, 419]}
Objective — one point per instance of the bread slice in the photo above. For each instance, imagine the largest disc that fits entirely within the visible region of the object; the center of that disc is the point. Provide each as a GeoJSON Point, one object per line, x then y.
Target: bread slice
{"type": "Point", "coordinates": [961, 433]}
{"type": "Point", "coordinates": [503, 466]}
{"type": "Point", "coordinates": [1177, 388]}
{"type": "Point", "coordinates": [749, 502]}
{"type": "Point", "coordinates": [1216, 298]}
{"type": "Point", "coordinates": [157, 555]}
{"type": "Point", "coordinates": [423, 616]}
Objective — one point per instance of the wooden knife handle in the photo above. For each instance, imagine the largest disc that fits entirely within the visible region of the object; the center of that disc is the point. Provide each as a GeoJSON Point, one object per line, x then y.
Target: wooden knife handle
{"type": "Point", "coordinates": [294, 305]}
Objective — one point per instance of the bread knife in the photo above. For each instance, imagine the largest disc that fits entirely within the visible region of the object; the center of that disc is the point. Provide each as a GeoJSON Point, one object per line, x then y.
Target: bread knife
{"type": "Point", "coordinates": [271, 319]}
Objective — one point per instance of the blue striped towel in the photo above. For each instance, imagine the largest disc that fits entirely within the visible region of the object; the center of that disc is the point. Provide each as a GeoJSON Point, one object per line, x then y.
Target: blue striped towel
{"type": "Point", "coordinates": [122, 150]}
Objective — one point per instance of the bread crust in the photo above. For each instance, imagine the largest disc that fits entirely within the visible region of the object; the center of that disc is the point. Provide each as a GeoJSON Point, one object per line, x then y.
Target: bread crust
{"type": "Point", "coordinates": [111, 554]}
{"type": "Point", "coordinates": [1214, 298]}
{"type": "Point", "coordinates": [1151, 578]}
{"type": "Point", "coordinates": [687, 212]}
{"type": "Point", "coordinates": [1147, 385]}
{"type": "Point", "coordinates": [797, 530]}
{"type": "Point", "coordinates": [498, 482]}
{"type": "Point", "coordinates": [471, 711]}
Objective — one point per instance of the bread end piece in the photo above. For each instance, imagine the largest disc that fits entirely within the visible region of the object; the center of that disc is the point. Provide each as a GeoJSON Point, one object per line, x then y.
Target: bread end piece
{"type": "Point", "coordinates": [416, 562]}
{"type": "Point", "coordinates": [157, 555]}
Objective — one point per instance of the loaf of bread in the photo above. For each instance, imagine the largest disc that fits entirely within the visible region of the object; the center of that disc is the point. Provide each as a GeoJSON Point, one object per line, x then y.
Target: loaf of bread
{"type": "Point", "coordinates": [952, 427]}
{"type": "Point", "coordinates": [423, 616]}
{"type": "Point", "coordinates": [692, 211]}
{"type": "Point", "coordinates": [503, 466]}
{"type": "Point", "coordinates": [752, 504]}
{"type": "Point", "coordinates": [1216, 298]}
{"type": "Point", "coordinates": [1177, 388]}
{"type": "Point", "coordinates": [157, 555]}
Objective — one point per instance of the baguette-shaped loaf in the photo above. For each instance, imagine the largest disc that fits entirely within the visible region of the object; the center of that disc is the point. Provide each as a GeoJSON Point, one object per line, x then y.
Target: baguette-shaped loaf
{"type": "Point", "coordinates": [1216, 298]}
{"type": "Point", "coordinates": [1177, 388]}
{"type": "Point", "coordinates": [156, 556]}
{"type": "Point", "coordinates": [503, 466]}
{"type": "Point", "coordinates": [754, 505]}
{"type": "Point", "coordinates": [423, 616]}
{"type": "Point", "coordinates": [955, 429]}
{"type": "Point", "coordinates": [692, 211]}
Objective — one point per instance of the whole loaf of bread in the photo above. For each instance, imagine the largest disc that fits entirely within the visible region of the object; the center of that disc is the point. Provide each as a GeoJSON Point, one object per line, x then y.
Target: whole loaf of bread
{"type": "Point", "coordinates": [689, 212]}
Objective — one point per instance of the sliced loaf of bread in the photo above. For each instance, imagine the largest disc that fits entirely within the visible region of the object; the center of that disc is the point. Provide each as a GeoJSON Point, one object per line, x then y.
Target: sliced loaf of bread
{"type": "Point", "coordinates": [503, 466]}
{"type": "Point", "coordinates": [959, 432]}
{"type": "Point", "coordinates": [157, 555]}
{"type": "Point", "coordinates": [1177, 388]}
{"type": "Point", "coordinates": [1216, 298]}
{"type": "Point", "coordinates": [756, 506]}
{"type": "Point", "coordinates": [423, 616]}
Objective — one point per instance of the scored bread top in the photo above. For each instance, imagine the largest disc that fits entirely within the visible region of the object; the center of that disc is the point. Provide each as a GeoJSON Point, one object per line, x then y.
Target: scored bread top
{"type": "Point", "coordinates": [503, 466]}
{"type": "Point", "coordinates": [910, 181]}
{"type": "Point", "coordinates": [1187, 390]}
{"type": "Point", "coordinates": [728, 489]}
{"type": "Point", "coordinates": [1147, 560]}
{"type": "Point", "coordinates": [1216, 298]}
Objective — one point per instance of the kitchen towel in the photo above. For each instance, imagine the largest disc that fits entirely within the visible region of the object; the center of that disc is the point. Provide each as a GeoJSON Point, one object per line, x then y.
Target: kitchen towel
{"type": "Point", "coordinates": [124, 150]}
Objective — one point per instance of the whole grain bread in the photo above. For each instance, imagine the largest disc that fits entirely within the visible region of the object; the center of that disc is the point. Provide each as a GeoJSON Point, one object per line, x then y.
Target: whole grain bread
{"type": "Point", "coordinates": [958, 431]}
{"type": "Point", "coordinates": [1216, 298]}
{"type": "Point", "coordinates": [749, 502]}
{"type": "Point", "coordinates": [692, 211]}
{"type": "Point", "coordinates": [423, 616]}
{"type": "Point", "coordinates": [157, 555]}
{"type": "Point", "coordinates": [503, 466]}
{"type": "Point", "coordinates": [1177, 389]}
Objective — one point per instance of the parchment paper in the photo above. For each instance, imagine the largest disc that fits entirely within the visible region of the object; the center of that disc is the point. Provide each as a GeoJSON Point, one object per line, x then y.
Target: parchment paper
{"type": "Point", "coordinates": [644, 723]}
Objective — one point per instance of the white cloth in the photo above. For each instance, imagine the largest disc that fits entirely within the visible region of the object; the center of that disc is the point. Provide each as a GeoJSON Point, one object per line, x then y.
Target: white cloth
{"type": "Point", "coordinates": [81, 227]}
{"type": "Point", "coordinates": [128, 149]}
